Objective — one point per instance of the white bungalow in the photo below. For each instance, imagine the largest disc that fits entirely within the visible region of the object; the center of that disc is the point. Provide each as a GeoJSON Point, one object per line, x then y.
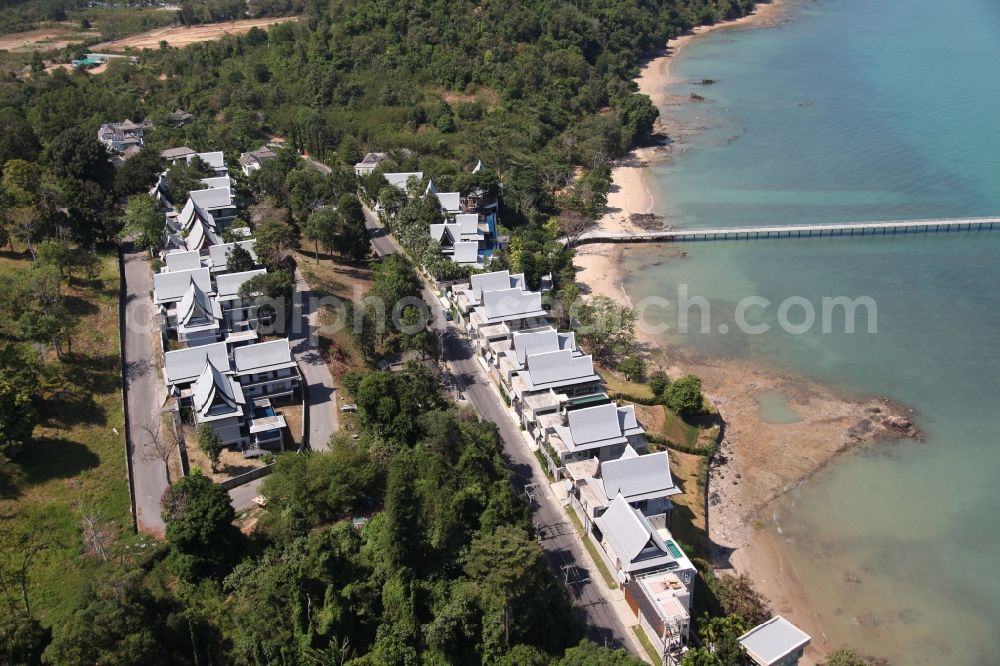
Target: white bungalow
{"type": "Point", "coordinates": [238, 313]}
{"type": "Point", "coordinates": [197, 318]}
{"type": "Point", "coordinates": [218, 255]}
{"type": "Point", "coordinates": [634, 544]}
{"type": "Point", "coordinates": [469, 296]}
{"type": "Point", "coordinates": [550, 379]}
{"type": "Point", "coordinates": [401, 179]}
{"type": "Point", "coordinates": [171, 286]}
{"type": "Point", "coordinates": [218, 399]}
{"type": "Point", "coordinates": [776, 642]}
{"type": "Point", "coordinates": [644, 481]}
{"type": "Point", "coordinates": [503, 312]}
{"type": "Point", "coordinates": [266, 369]}
{"type": "Point", "coordinates": [182, 260]}
{"type": "Point", "coordinates": [600, 432]}
{"type": "Point", "coordinates": [183, 366]}
{"type": "Point", "coordinates": [369, 163]}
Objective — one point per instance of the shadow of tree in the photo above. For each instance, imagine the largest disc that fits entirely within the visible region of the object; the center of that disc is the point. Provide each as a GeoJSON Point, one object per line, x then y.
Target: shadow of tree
{"type": "Point", "coordinates": [55, 458]}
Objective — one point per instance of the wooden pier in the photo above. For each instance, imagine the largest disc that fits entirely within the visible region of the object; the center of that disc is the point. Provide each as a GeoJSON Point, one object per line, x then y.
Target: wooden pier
{"type": "Point", "coordinates": [859, 229]}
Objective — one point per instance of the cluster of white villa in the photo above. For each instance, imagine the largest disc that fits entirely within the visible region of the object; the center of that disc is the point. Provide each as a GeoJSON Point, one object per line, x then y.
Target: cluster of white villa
{"type": "Point", "coordinates": [594, 446]}
{"type": "Point", "coordinates": [467, 232]}
{"type": "Point", "coordinates": [597, 448]}
{"type": "Point", "coordinates": [221, 370]}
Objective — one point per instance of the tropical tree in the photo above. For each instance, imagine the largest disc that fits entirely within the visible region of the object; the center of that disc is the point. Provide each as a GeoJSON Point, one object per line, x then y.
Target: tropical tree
{"type": "Point", "coordinates": [210, 443]}
{"type": "Point", "coordinates": [684, 396]}
{"type": "Point", "coordinates": [142, 222]}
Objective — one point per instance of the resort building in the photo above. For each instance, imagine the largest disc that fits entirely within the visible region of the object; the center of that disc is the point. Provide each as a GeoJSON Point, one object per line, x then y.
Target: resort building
{"type": "Point", "coordinates": [776, 642]}
{"type": "Point", "coordinates": [468, 297]}
{"type": "Point", "coordinates": [502, 313]}
{"type": "Point", "coordinates": [600, 432]}
{"type": "Point", "coordinates": [170, 287]}
{"type": "Point", "coordinates": [401, 179]}
{"type": "Point", "coordinates": [369, 163]}
{"type": "Point", "coordinates": [180, 117]}
{"type": "Point", "coordinates": [508, 357]}
{"type": "Point", "coordinates": [550, 379]}
{"type": "Point", "coordinates": [182, 260]}
{"type": "Point", "coordinates": [661, 602]}
{"type": "Point", "coordinates": [254, 160]}
{"type": "Point", "coordinates": [119, 137]}
{"type": "Point", "coordinates": [644, 482]}
{"type": "Point", "coordinates": [218, 255]}
{"type": "Point", "coordinates": [182, 367]}
{"type": "Point", "coordinates": [197, 318]}
{"type": "Point", "coordinates": [635, 544]}
{"type": "Point", "coordinates": [239, 313]}
{"type": "Point", "coordinates": [217, 399]}
{"type": "Point", "coordinates": [172, 155]}
{"type": "Point", "coordinates": [266, 369]}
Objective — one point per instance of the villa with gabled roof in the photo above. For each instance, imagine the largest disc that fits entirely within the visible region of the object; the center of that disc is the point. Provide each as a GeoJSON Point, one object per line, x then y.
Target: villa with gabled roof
{"type": "Point", "coordinates": [644, 481]}
{"type": "Point", "coordinates": [217, 399]}
{"type": "Point", "coordinates": [602, 432]}
{"type": "Point", "coordinates": [549, 379]}
{"type": "Point", "coordinates": [170, 287]}
{"type": "Point", "coordinates": [197, 318]}
{"type": "Point", "coordinates": [218, 255]}
{"type": "Point", "coordinates": [503, 312]}
{"type": "Point", "coordinates": [266, 369]}
{"type": "Point", "coordinates": [469, 296]}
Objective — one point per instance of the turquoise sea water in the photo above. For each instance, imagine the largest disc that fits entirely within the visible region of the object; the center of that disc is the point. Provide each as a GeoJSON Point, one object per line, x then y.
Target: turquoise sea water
{"type": "Point", "coordinates": [861, 110]}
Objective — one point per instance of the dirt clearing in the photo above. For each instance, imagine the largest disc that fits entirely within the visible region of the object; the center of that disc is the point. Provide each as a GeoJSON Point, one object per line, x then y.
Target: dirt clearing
{"type": "Point", "coordinates": [181, 36]}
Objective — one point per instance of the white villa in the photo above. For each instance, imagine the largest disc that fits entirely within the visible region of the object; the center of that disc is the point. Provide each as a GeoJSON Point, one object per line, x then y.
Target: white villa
{"type": "Point", "coordinates": [601, 432]}
{"type": "Point", "coordinates": [644, 482]}
{"type": "Point", "coordinates": [776, 642]}
{"type": "Point", "coordinates": [503, 312]}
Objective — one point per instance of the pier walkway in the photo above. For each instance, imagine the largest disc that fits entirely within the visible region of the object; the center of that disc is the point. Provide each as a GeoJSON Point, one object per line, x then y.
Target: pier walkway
{"type": "Point", "coordinates": [890, 228]}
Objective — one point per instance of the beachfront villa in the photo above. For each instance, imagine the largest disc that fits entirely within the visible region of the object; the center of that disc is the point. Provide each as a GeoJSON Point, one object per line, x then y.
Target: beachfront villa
{"type": "Point", "coordinates": [776, 642]}
{"type": "Point", "coordinates": [644, 482]}
{"type": "Point", "coordinates": [502, 313]}
{"type": "Point", "coordinates": [550, 379]}
{"type": "Point", "coordinates": [467, 297]}
{"type": "Point", "coordinates": [600, 432]}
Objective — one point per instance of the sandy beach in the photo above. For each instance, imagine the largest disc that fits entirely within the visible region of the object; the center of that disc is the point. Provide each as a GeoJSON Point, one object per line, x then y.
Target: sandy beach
{"type": "Point", "coordinates": [759, 461]}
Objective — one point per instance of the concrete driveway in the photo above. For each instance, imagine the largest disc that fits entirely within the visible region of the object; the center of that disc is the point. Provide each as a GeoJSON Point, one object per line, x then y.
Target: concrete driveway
{"type": "Point", "coordinates": [144, 391]}
{"type": "Point", "coordinates": [323, 421]}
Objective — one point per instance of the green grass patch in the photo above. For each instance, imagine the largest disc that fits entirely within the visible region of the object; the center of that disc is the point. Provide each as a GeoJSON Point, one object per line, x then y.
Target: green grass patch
{"type": "Point", "coordinates": [602, 568]}
{"type": "Point", "coordinates": [544, 464]}
{"type": "Point", "coordinates": [75, 464]}
{"type": "Point", "coordinates": [678, 430]}
{"type": "Point", "coordinates": [647, 646]}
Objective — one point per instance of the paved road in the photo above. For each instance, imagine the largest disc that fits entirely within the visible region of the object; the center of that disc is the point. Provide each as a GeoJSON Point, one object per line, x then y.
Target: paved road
{"type": "Point", "coordinates": [558, 537]}
{"type": "Point", "coordinates": [322, 401]}
{"type": "Point", "coordinates": [145, 391]}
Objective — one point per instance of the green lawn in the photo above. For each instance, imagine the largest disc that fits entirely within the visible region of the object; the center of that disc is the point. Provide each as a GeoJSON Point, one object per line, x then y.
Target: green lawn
{"type": "Point", "coordinates": [647, 646]}
{"type": "Point", "coordinates": [76, 463]}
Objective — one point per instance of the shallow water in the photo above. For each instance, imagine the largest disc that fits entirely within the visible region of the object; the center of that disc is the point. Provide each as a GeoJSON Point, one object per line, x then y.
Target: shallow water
{"type": "Point", "coordinates": [859, 110]}
{"type": "Point", "coordinates": [773, 407]}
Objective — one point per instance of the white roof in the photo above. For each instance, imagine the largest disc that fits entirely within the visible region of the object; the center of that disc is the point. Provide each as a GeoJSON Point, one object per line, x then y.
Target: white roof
{"type": "Point", "coordinates": [185, 365]}
{"type": "Point", "coordinates": [494, 281]}
{"type": "Point", "coordinates": [216, 182]}
{"type": "Point", "coordinates": [170, 287]}
{"type": "Point", "coordinates": [772, 641]}
{"type": "Point", "coordinates": [215, 395]}
{"type": "Point", "coordinates": [181, 260]}
{"type": "Point", "coordinates": [212, 199]}
{"type": "Point", "coordinates": [638, 477]}
{"type": "Point", "coordinates": [535, 341]}
{"type": "Point", "coordinates": [193, 211]}
{"type": "Point", "coordinates": [469, 223]}
{"type": "Point", "coordinates": [602, 425]}
{"type": "Point", "coordinates": [466, 252]}
{"type": "Point", "coordinates": [214, 159]}
{"type": "Point", "coordinates": [506, 304]}
{"type": "Point", "coordinates": [431, 187]}
{"type": "Point", "coordinates": [551, 369]}
{"type": "Point", "coordinates": [197, 308]}
{"type": "Point", "coordinates": [635, 542]}
{"type": "Point", "coordinates": [200, 236]}
{"type": "Point", "coordinates": [450, 201]}
{"type": "Point", "coordinates": [228, 284]}
{"type": "Point", "coordinates": [219, 254]}
{"type": "Point", "coordinates": [479, 166]}
{"type": "Point", "coordinates": [263, 357]}
{"type": "Point", "coordinates": [400, 178]}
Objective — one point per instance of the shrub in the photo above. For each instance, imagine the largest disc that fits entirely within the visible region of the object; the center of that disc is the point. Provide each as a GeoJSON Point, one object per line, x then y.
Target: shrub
{"type": "Point", "coordinates": [658, 383]}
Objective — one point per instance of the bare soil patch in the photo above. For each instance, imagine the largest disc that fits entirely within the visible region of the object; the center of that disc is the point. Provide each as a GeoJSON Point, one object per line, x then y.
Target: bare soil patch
{"type": "Point", "coordinates": [181, 36]}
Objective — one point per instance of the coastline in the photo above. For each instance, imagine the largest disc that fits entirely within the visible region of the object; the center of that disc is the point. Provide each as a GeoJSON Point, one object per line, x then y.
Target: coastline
{"type": "Point", "coordinates": [759, 462]}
